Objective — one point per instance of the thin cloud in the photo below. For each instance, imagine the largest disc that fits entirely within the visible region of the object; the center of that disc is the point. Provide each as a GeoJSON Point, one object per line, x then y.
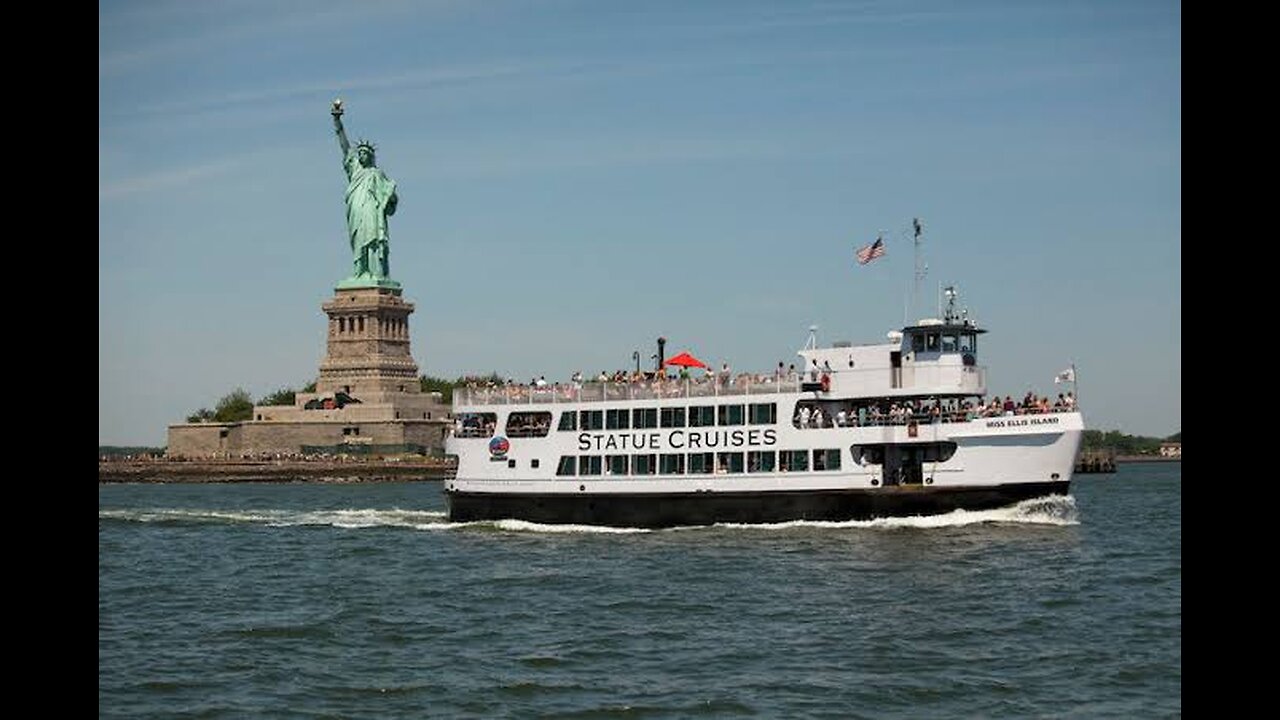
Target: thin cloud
{"type": "Point", "coordinates": [257, 21]}
{"type": "Point", "coordinates": [173, 178]}
{"type": "Point", "coordinates": [407, 79]}
{"type": "Point", "coordinates": [589, 153]}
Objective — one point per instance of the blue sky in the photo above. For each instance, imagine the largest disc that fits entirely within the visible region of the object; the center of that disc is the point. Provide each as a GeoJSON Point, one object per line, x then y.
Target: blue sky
{"type": "Point", "coordinates": [577, 178]}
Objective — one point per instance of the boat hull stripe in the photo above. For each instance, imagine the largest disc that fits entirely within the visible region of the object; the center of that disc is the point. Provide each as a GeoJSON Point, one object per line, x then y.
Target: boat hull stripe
{"type": "Point", "coordinates": [707, 508]}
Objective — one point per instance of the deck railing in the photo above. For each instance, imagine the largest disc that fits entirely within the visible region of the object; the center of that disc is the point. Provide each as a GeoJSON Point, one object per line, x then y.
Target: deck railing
{"type": "Point", "coordinates": [616, 391]}
{"type": "Point", "coordinates": [922, 382]}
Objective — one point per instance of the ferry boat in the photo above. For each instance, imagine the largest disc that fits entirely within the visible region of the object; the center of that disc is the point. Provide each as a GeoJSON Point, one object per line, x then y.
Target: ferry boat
{"type": "Point", "coordinates": [895, 428]}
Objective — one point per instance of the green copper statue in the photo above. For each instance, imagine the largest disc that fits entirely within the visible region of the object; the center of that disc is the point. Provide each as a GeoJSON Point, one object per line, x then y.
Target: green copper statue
{"type": "Point", "coordinates": [371, 199]}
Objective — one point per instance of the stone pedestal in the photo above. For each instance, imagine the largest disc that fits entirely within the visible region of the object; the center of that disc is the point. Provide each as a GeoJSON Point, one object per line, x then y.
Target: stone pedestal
{"type": "Point", "coordinates": [368, 350]}
{"type": "Point", "coordinates": [368, 360]}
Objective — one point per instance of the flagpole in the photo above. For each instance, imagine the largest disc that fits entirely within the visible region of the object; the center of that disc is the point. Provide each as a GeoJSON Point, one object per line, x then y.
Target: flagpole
{"type": "Point", "coordinates": [1075, 385]}
{"type": "Point", "coordinates": [906, 307]}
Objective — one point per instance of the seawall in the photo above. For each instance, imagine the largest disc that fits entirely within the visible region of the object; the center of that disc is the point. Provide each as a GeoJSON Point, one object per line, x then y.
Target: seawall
{"type": "Point", "coordinates": [232, 471]}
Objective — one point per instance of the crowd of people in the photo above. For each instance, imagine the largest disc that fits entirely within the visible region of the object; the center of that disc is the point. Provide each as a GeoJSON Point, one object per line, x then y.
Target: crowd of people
{"type": "Point", "coordinates": [886, 411]}
{"type": "Point", "coordinates": [673, 382]}
{"type": "Point", "coordinates": [247, 456]}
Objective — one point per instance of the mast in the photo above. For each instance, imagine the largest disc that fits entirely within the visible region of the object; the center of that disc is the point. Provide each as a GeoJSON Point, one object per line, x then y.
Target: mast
{"type": "Point", "coordinates": [921, 269]}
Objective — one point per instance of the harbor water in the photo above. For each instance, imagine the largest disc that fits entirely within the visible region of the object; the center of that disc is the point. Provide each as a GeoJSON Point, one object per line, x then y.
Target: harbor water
{"type": "Point", "coordinates": [362, 601]}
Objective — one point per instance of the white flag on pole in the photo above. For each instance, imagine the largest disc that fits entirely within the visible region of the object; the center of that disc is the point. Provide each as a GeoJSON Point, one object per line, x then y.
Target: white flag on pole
{"type": "Point", "coordinates": [1068, 375]}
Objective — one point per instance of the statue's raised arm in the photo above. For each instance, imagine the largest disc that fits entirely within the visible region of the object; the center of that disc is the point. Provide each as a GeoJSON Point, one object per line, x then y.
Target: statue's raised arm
{"type": "Point", "coordinates": [337, 126]}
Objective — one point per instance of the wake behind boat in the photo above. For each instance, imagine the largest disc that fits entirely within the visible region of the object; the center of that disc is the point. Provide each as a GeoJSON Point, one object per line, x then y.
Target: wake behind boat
{"type": "Point", "coordinates": [888, 429]}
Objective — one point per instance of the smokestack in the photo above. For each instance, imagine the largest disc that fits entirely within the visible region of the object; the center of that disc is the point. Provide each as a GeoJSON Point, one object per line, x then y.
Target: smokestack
{"type": "Point", "coordinates": [662, 352]}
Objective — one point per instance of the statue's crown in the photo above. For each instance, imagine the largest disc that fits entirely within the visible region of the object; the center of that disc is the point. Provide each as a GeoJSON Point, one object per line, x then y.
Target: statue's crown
{"type": "Point", "coordinates": [366, 144]}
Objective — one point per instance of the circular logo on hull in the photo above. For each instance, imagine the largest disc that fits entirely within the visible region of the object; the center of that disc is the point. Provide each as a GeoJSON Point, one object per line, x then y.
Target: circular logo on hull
{"type": "Point", "coordinates": [499, 446]}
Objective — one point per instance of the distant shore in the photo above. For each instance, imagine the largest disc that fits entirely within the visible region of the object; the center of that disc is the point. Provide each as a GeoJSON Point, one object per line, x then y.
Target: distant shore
{"type": "Point", "coordinates": [334, 471]}
{"type": "Point", "coordinates": [283, 471]}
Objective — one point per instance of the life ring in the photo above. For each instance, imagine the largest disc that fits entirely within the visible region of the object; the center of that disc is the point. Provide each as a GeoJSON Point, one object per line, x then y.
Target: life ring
{"type": "Point", "coordinates": [826, 382]}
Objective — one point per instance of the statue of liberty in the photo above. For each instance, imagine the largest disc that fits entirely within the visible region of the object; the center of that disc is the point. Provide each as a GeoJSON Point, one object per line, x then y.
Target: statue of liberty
{"type": "Point", "coordinates": [371, 199]}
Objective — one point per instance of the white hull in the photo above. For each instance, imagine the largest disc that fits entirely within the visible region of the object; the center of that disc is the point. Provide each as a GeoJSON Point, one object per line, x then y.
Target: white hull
{"type": "Point", "coordinates": [989, 452]}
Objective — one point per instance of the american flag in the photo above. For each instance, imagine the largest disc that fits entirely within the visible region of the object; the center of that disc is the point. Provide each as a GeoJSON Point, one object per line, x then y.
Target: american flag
{"type": "Point", "coordinates": [871, 252]}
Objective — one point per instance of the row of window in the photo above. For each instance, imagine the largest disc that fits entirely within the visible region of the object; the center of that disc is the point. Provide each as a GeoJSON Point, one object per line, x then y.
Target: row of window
{"type": "Point", "coordinates": [538, 423]}
{"type": "Point", "coordinates": [934, 452]}
{"type": "Point", "coordinates": [393, 326]}
{"type": "Point", "coordinates": [703, 463]}
{"type": "Point", "coordinates": [669, 417]}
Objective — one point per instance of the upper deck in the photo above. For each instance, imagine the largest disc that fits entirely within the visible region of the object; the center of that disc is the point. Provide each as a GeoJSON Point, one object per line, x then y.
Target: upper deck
{"type": "Point", "coordinates": [919, 381]}
{"type": "Point", "coordinates": [935, 358]}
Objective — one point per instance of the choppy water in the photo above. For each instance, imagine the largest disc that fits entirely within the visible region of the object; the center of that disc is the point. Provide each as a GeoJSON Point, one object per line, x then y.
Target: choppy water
{"type": "Point", "coordinates": [362, 601]}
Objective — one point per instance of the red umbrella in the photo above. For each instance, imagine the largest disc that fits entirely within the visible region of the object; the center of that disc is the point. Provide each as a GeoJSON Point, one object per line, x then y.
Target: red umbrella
{"type": "Point", "coordinates": [686, 360]}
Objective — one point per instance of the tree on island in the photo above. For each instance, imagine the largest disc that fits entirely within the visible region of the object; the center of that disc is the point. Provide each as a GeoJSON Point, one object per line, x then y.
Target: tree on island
{"type": "Point", "coordinates": [235, 406]}
{"type": "Point", "coordinates": [445, 387]}
{"type": "Point", "coordinates": [440, 385]}
{"type": "Point", "coordinates": [1119, 443]}
{"type": "Point", "coordinates": [283, 396]}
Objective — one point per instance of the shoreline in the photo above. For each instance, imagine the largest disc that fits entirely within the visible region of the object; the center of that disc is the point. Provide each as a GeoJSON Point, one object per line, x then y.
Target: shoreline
{"type": "Point", "coordinates": [324, 471]}
{"type": "Point", "coordinates": [279, 471]}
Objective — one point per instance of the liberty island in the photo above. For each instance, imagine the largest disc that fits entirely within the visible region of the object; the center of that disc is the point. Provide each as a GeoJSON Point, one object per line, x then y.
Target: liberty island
{"type": "Point", "coordinates": [367, 399]}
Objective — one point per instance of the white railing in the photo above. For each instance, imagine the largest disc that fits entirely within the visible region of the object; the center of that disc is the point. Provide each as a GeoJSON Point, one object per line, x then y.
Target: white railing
{"type": "Point", "coordinates": [616, 392]}
{"type": "Point", "coordinates": [918, 380]}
